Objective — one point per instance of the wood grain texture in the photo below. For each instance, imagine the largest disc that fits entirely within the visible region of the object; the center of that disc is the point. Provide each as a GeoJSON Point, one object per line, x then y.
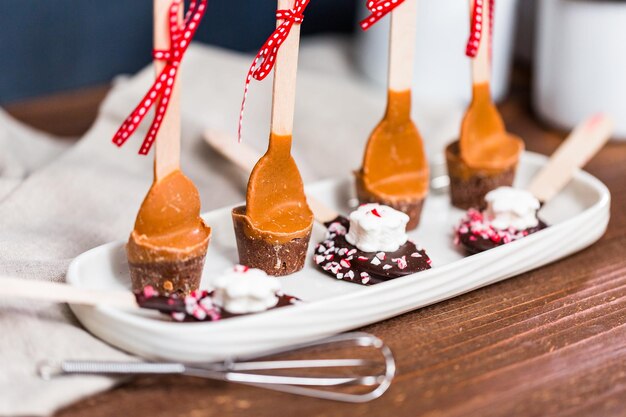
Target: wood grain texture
{"type": "Point", "coordinates": [550, 342]}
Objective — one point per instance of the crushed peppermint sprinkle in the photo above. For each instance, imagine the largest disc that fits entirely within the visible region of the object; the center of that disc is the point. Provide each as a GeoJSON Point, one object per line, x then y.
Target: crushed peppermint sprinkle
{"type": "Point", "coordinates": [416, 255]}
{"type": "Point", "coordinates": [149, 291]}
{"type": "Point", "coordinates": [401, 262]}
{"type": "Point", "coordinates": [376, 261]}
{"type": "Point", "coordinates": [375, 213]}
{"type": "Point", "coordinates": [199, 305]}
{"type": "Point", "coordinates": [477, 225]}
{"type": "Point", "coordinates": [381, 256]}
{"type": "Point", "coordinates": [337, 228]}
{"type": "Point", "coordinates": [387, 266]}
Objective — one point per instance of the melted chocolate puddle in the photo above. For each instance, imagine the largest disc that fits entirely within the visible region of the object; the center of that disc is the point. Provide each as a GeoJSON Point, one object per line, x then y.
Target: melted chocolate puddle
{"type": "Point", "coordinates": [341, 260]}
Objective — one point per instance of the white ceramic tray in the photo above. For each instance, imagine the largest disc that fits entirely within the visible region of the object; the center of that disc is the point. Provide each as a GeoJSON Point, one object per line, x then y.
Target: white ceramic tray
{"type": "Point", "coordinates": [578, 217]}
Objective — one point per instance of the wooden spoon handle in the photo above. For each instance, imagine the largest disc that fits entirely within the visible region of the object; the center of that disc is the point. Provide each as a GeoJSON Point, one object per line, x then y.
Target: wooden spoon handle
{"type": "Point", "coordinates": [64, 293]}
{"type": "Point", "coordinates": [285, 70]}
{"type": "Point", "coordinates": [481, 64]}
{"type": "Point", "coordinates": [245, 158]}
{"type": "Point", "coordinates": [402, 39]}
{"type": "Point", "coordinates": [167, 146]}
{"type": "Point", "coordinates": [579, 147]}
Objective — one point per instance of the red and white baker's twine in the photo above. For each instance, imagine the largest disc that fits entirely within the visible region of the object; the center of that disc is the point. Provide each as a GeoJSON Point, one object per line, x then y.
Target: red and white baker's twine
{"type": "Point", "coordinates": [476, 26]}
{"type": "Point", "coordinates": [379, 9]}
{"type": "Point", "coordinates": [161, 90]}
{"type": "Point", "coordinates": [265, 60]}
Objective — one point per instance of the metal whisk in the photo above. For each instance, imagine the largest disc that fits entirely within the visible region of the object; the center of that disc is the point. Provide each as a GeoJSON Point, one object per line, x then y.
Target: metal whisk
{"type": "Point", "coordinates": [240, 370]}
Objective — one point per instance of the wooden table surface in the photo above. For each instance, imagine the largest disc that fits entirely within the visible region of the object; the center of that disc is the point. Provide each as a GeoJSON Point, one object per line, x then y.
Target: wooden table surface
{"type": "Point", "coordinates": [551, 342]}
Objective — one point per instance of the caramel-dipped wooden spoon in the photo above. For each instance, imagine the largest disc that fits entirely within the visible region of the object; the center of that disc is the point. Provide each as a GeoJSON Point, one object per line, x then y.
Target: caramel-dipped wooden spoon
{"type": "Point", "coordinates": [484, 142]}
{"type": "Point", "coordinates": [395, 170]}
{"type": "Point", "coordinates": [169, 242]}
{"type": "Point", "coordinates": [274, 228]}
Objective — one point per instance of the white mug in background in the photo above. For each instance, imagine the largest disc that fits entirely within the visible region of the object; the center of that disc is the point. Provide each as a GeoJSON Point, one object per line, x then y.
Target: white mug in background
{"type": "Point", "coordinates": [442, 71]}
{"type": "Point", "coordinates": [580, 62]}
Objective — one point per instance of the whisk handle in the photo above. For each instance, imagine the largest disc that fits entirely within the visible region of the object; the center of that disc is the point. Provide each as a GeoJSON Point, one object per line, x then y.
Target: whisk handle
{"type": "Point", "coordinates": [48, 370]}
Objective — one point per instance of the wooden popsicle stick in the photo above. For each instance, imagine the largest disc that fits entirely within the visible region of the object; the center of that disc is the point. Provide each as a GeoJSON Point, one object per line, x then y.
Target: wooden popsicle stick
{"type": "Point", "coordinates": [64, 293]}
{"type": "Point", "coordinates": [245, 158]}
{"type": "Point", "coordinates": [167, 146]}
{"type": "Point", "coordinates": [402, 39]}
{"type": "Point", "coordinates": [579, 147]}
{"type": "Point", "coordinates": [481, 64]}
{"type": "Point", "coordinates": [285, 71]}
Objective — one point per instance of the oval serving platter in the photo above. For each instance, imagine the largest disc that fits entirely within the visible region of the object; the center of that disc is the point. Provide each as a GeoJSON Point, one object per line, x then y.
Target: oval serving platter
{"type": "Point", "coordinates": [578, 217]}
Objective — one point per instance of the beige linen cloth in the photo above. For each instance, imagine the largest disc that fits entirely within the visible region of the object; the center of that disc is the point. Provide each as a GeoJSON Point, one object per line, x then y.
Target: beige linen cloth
{"type": "Point", "coordinates": [57, 203]}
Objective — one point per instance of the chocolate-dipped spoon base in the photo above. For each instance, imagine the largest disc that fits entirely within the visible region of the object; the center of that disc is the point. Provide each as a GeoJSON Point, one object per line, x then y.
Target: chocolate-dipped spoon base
{"type": "Point", "coordinates": [338, 258]}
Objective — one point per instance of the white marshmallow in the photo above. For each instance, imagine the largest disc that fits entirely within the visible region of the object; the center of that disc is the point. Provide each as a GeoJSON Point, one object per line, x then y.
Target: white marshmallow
{"type": "Point", "coordinates": [244, 290]}
{"type": "Point", "coordinates": [509, 207]}
{"type": "Point", "coordinates": [375, 228]}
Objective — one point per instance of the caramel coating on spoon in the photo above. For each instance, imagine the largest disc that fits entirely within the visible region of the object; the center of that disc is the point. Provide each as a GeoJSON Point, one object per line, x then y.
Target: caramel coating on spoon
{"type": "Point", "coordinates": [485, 143]}
{"type": "Point", "coordinates": [168, 224]}
{"type": "Point", "coordinates": [394, 165]}
{"type": "Point", "coordinates": [276, 205]}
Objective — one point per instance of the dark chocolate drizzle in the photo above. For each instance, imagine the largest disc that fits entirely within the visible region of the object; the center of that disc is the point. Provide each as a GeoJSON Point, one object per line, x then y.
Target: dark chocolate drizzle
{"type": "Point", "coordinates": [341, 260]}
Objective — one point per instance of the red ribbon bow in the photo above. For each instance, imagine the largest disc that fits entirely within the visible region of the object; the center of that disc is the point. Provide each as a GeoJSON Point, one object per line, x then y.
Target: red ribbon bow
{"type": "Point", "coordinates": [161, 90]}
{"type": "Point", "coordinates": [379, 9]}
{"type": "Point", "coordinates": [476, 28]}
{"type": "Point", "coordinates": [266, 57]}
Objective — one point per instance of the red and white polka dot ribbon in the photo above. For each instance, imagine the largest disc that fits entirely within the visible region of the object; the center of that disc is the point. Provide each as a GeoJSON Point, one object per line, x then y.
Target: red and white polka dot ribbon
{"type": "Point", "coordinates": [266, 58]}
{"type": "Point", "coordinates": [379, 9]}
{"type": "Point", "coordinates": [476, 28]}
{"type": "Point", "coordinates": [161, 90]}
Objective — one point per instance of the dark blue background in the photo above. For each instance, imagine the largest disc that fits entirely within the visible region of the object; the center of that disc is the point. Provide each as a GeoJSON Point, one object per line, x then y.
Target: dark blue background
{"type": "Point", "coordinates": [52, 45]}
